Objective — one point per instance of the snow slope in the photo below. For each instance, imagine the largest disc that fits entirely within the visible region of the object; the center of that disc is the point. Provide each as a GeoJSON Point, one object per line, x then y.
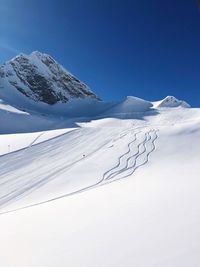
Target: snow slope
{"type": "Point", "coordinates": [119, 188]}
{"type": "Point", "coordinates": [129, 105]}
{"type": "Point", "coordinates": [49, 117]}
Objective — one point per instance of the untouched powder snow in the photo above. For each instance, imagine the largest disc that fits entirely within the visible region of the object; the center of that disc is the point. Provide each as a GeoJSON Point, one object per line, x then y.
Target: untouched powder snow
{"type": "Point", "coordinates": [104, 184]}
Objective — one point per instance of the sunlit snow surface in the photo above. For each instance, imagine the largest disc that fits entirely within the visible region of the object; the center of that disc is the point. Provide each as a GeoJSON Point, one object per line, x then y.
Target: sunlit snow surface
{"type": "Point", "coordinates": [117, 188]}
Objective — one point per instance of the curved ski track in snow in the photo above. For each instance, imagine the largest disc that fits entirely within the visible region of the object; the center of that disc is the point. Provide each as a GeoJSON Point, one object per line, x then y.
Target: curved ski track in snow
{"type": "Point", "coordinates": [137, 155]}
{"type": "Point", "coordinates": [133, 161]}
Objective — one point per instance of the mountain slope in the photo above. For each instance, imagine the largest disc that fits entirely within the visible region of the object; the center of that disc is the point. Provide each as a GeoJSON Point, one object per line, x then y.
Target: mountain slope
{"type": "Point", "coordinates": [129, 106]}
{"type": "Point", "coordinates": [40, 78]}
{"type": "Point", "coordinates": [89, 183]}
{"type": "Point", "coordinates": [146, 214]}
{"type": "Point", "coordinates": [172, 102]}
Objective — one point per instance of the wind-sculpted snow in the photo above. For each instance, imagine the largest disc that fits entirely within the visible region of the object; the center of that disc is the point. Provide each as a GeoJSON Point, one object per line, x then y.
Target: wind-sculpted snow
{"type": "Point", "coordinates": [130, 105]}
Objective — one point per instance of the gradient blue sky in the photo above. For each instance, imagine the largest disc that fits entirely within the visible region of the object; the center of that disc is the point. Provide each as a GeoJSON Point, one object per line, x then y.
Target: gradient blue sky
{"type": "Point", "coordinates": [145, 48]}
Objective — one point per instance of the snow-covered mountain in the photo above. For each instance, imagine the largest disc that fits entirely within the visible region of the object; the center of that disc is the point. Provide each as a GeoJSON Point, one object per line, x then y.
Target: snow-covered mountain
{"type": "Point", "coordinates": [117, 186]}
{"type": "Point", "coordinates": [93, 183]}
{"type": "Point", "coordinates": [40, 78]}
{"type": "Point", "coordinates": [171, 101]}
{"type": "Point", "coordinates": [27, 117]}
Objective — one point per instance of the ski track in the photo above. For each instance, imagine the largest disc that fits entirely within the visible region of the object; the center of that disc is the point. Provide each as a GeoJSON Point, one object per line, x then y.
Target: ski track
{"type": "Point", "coordinates": [144, 156]}
{"type": "Point", "coordinates": [33, 143]}
{"type": "Point", "coordinates": [134, 158]}
{"type": "Point", "coordinates": [126, 165]}
{"type": "Point", "coordinates": [120, 160]}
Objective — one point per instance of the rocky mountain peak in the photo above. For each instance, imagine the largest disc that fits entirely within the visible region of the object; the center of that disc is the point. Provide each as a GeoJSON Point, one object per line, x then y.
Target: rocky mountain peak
{"type": "Point", "coordinates": [39, 77]}
{"type": "Point", "coordinates": [171, 101]}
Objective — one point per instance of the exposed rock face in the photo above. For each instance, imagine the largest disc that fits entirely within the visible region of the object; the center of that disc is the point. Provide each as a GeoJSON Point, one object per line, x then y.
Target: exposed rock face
{"type": "Point", "coordinates": [39, 77]}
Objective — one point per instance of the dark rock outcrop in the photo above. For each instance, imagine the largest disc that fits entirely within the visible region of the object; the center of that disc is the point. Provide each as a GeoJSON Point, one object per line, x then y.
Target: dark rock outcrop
{"type": "Point", "coordinates": [39, 77]}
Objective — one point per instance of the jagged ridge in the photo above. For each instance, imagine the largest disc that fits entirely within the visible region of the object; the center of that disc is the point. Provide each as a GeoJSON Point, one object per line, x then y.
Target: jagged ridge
{"type": "Point", "coordinates": [39, 77]}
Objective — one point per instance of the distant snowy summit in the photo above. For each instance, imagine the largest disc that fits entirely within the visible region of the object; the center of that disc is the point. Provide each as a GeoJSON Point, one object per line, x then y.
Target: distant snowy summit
{"type": "Point", "coordinates": [37, 83]}
{"type": "Point", "coordinates": [170, 102]}
{"type": "Point", "coordinates": [40, 78]}
{"type": "Point", "coordinates": [134, 104]}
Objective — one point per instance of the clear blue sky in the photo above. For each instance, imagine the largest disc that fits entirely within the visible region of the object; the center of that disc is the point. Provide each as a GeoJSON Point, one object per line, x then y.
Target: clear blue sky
{"type": "Point", "coordinates": [146, 48]}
